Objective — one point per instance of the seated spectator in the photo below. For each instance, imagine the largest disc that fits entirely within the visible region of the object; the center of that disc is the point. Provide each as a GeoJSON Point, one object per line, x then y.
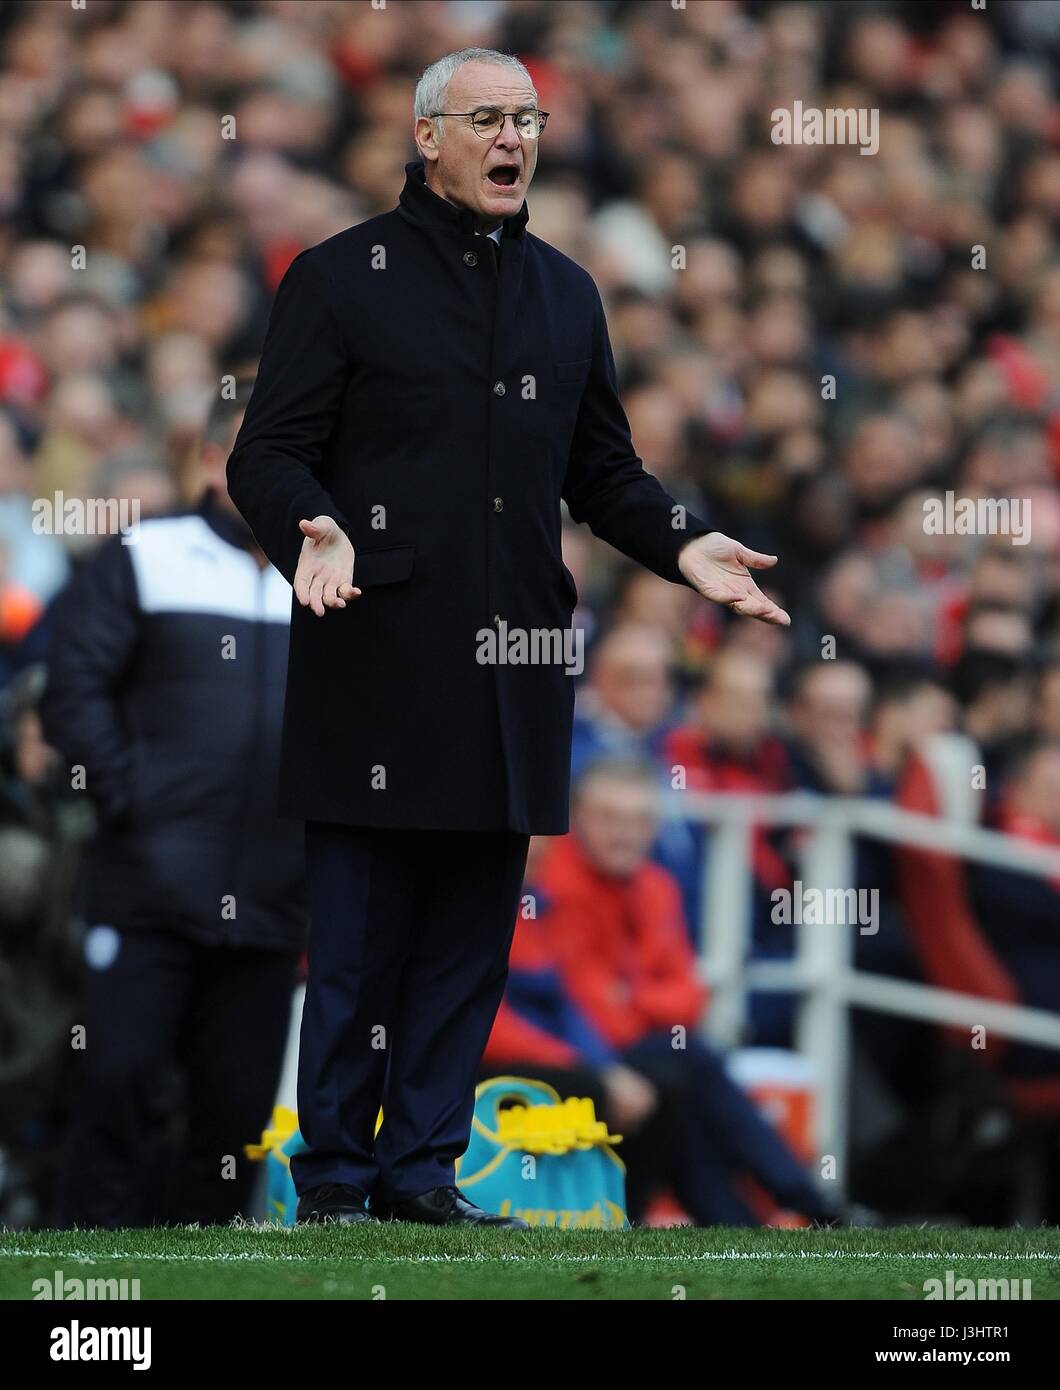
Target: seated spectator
{"type": "Point", "coordinates": [729, 745]}
{"type": "Point", "coordinates": [994, 691]}
{"type": "Point", "coordinates": [625, 706]}
{"type": "Point", "coordinates": [828, 750]}
{"type": "Point", "coordinates": [625, 709]}
{"type": "Point", "coordinates": [831, 754]}
{"type": "Point", "coordinates": [643, 598]}
{"type": "Point", "coordinates": [613, 926]}
{"type": "Point", "coordinates": [909, 706]}
{"type": "Point", "coordinates": [1019, 912]}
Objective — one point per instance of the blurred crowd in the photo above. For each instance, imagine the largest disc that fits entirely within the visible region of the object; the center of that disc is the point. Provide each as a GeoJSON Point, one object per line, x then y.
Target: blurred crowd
{"type": "Point", "coordinates": [843, 339]}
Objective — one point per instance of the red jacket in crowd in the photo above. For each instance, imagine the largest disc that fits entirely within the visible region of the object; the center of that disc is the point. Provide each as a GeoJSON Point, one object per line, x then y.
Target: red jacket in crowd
{"type": "Point", "coordinates": [517, 1038]}
{"type": "Point", "coordinates": [621, 945]}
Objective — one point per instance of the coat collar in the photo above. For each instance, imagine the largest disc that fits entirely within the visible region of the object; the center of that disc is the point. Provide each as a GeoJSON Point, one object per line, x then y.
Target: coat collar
{"type": "Point", "coordinates": [422, 207]}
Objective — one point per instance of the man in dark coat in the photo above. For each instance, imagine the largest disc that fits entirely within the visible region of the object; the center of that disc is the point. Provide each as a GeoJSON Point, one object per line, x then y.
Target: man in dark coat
{"type": "Point", "coordinates": [167, 658]}
{"type": "Point", "coordinates": [433, 382]}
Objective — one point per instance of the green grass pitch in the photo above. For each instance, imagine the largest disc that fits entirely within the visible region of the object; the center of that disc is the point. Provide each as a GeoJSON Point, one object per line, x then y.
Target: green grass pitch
{"type": "Point", "coordinates": [418, 1262]}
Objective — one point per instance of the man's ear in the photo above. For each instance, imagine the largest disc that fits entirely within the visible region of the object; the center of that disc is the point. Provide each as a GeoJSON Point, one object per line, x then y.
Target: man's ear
{"type": "Point", "coordinates": [426, 138]}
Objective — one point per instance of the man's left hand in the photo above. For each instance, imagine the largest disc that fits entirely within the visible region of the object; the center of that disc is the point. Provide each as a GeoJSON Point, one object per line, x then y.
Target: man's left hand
{"type": "Point", "coordinates": [717, 567]}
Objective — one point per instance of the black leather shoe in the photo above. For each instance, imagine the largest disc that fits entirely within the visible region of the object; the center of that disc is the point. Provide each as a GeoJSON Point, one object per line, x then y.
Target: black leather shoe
{"type": "Point", "coordinates": [446, 1206]}
{"type": "Point", "coordinates": [331, 1202]}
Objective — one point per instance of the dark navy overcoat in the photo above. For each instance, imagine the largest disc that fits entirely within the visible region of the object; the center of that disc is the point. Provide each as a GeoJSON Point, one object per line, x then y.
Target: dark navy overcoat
{"type": "Point", "coordinates": [439, 407]}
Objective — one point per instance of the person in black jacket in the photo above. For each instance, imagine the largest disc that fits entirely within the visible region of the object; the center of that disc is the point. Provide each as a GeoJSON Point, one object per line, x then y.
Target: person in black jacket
{"type": "Point", "coordinates": [166, 665]}
{"type": "Point", "coordinates": [434, 382]}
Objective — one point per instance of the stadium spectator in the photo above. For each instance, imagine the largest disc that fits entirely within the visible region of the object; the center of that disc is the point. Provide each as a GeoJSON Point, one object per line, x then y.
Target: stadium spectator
{"type": "Point", "coordinates": [828, 714]}
{"type": "Point", "coordinates": [1017, 912]}
{"type": "Point", "coordinates": [628, 700]}
{"type": "Point", "coordinates": [994, 691]}
{"type": "Point", "coordinates": [728, 745]}
{"type": "Point", "coordinates": [614, 927]}
{"type": "Point", "coordinates": [909, 706]}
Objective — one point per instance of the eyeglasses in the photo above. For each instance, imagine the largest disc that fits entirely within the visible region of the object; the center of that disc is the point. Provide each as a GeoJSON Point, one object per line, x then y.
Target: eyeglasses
{"type": "Point", "coordinates": [488, 121]}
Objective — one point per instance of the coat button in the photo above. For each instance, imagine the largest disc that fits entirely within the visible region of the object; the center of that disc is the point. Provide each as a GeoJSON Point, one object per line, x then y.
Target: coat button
{"type": "Point", "coordinates": [498, 388]}
{"type": "Point", "coordinates": [498, 504]}
{"type": "Point", "coordinates": [470, 258]}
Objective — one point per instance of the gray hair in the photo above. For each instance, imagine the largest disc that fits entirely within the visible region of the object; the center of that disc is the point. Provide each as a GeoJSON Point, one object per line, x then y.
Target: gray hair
{"type": "Point", "coordinates": [430, 89]}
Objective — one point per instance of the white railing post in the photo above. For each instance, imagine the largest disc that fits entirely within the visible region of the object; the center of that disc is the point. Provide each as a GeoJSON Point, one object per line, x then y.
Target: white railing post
{"type": "Point", "coordinates": [726, 927]}
{"type": "Point", "coordinates": [824, 955]}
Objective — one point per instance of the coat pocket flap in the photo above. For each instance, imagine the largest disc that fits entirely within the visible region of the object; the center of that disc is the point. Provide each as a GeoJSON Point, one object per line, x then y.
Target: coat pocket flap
{"type": "Point", "coordinates": [386, 566]}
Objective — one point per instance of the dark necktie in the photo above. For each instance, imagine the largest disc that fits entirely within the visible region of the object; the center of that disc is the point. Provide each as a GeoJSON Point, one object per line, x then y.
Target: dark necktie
{"type": "Point", "coordinates": [495, 248]}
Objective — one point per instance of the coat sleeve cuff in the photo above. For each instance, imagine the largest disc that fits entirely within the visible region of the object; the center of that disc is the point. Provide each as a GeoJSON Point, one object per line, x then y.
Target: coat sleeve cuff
{"type": "Point", "coordinates": [694, 528]}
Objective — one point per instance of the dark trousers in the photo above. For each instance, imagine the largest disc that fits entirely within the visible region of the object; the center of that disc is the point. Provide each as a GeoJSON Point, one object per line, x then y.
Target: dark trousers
{"type": "Point", "coordinates": [717, 1134]}
{"type": "Point", "coordinates": [408, 955]}
{"type": "Point", "coordinates": [220, 1015]}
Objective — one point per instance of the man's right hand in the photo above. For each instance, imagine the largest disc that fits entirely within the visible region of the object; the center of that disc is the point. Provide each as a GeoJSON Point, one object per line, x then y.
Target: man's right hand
{"type": "Point", "coordinates": [324, 575]}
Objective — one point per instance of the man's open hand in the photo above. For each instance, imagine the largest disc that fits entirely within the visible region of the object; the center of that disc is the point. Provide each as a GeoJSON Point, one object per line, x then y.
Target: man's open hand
{"type": "Point", "coordinates": [324, 575]}
{"type": "Point", "coordinates": [717, 567]}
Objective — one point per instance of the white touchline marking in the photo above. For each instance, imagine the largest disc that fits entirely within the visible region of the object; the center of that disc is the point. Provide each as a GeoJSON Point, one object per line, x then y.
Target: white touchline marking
{"type": "Point", "coordinates": [266, 1258]}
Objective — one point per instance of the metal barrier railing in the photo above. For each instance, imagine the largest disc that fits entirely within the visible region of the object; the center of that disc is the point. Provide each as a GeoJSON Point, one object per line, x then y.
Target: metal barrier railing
{"type": "Point", "coordinates": [821, 972]}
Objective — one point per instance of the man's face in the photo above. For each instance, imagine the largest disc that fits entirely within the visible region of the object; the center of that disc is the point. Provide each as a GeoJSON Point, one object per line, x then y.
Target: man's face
{"type": "Point", "coordinates": [734, 708]}
{"type": "Point", "coordinates": [832, 704]}
{"type": "Point", "coordinates": [632, 679]}
{"type": "Point", "coordinates": [490, 176]}
{"type": "Point", "coordinates": [615, 820]}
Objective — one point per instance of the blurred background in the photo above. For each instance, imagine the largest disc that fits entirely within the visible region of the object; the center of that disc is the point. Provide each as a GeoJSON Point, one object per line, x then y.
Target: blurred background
{"type": "Point", "coordinates": [139, 252]}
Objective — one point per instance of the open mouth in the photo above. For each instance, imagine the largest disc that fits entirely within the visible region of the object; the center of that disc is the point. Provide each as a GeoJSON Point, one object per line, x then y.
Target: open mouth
{"type": "Point", "coordinates": [504, 175]}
